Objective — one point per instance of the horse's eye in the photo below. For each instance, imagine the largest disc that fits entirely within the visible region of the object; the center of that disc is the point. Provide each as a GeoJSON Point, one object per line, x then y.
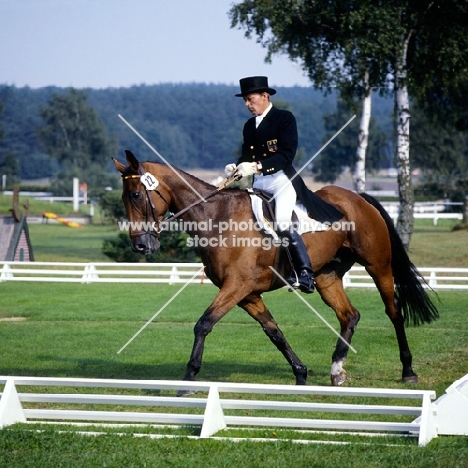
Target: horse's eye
{"type": "Point", "coordinates": [135, 195]}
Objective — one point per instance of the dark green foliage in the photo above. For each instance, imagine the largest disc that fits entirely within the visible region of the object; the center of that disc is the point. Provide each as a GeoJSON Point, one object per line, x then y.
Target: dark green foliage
{"type": "Point", "coordinates": [119, 249]}
{"type": "Point", "coordinates": [19, 120]}
{"type": "Point", "coordinates": [440, 151]}
{"type": "Point", "coordinates": [190, 125]}
{"type": "Point", "coordinates": [341, 152]}
{"type": "Point", "coordinates": [73, 134]}
{"type": "Point", "coordinates": [203, 129]}
{"type": "Point", "coordinates": [1, 131]}
{"type": "Point", "coordinates": [9, 166]}
{"type": "Point", "coordinates": [173, 249]}
{"type": "Point", "coordinates": [112, 206]}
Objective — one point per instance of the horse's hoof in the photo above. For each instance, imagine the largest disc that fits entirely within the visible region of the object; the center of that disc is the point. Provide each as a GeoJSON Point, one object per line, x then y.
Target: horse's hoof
{"type": "Point", "coordinates": [339, 379]}
{"type": "Point", "coordinates": [412, 379]}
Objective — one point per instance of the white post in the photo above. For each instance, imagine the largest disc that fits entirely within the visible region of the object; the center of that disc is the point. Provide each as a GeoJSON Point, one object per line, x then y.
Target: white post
{"type": "Point", "coordinates": [76, 194]}
{"type": "Point", "coordinates": [3, 181]}
{"type": "Point", "coordinates": [213, 419]}
{"type": "Point", "coordinates": [11, 410]}
{"type": "Point", "coordinates": [174, 275]}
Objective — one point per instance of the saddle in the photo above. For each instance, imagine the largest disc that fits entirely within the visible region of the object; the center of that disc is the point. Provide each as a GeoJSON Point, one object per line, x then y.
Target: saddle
{"type": "Point", "coordinates": [264, 210]}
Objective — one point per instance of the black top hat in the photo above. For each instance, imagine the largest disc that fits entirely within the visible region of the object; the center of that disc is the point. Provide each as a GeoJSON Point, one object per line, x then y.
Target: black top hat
{"type": "Point", "coordinates": [255, 84]}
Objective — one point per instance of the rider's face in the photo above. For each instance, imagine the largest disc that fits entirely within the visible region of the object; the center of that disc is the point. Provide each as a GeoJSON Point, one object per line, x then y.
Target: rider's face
{"type": "Point", "coordinates": [257, 102]}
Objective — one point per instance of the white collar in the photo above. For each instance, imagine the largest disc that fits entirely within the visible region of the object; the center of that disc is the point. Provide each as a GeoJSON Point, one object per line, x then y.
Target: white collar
{"type": "Point", "coordinates": [259, 118]}
{"type": "Point", "coordinates": [265, 112]}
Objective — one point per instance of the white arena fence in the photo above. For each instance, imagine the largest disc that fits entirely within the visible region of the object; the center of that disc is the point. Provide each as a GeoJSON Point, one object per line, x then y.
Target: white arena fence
{"type": "Point", "coordinates": [174, 273]}
{"type": "Point", "coordinates": [214, 413]}
{"type": "Point", "coordinates": [426, 210]}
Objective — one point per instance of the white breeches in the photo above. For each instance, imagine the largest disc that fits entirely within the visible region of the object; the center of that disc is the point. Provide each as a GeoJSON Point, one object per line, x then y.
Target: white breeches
{"type": "Point", "coordinates": [281, 188]}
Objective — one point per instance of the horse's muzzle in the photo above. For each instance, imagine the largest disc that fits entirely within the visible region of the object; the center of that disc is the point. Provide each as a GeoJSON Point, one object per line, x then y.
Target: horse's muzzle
{"type": "Point", "coordinates": [146, 243]}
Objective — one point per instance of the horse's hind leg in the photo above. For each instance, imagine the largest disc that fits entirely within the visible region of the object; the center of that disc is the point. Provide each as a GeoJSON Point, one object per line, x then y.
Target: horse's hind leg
{"type": "Point", "coordinates": [256, 308]}
{"type": "Point", "coordinates": [386, 287]}
{"type": "Point", "coordinates": [330, 288]}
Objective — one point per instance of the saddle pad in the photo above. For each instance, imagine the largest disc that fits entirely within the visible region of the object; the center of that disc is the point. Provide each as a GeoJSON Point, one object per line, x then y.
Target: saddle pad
{"type": "Point", "coordinates": [303, 223]}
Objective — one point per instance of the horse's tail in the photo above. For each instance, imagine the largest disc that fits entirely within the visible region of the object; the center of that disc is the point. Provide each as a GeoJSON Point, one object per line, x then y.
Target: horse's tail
{"type": "Point", "coordinates": [416, 306]}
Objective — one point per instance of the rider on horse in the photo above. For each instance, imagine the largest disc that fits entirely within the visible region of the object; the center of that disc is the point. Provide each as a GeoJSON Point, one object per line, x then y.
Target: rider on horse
{"type": "Point", "coordinates": [268, 150]}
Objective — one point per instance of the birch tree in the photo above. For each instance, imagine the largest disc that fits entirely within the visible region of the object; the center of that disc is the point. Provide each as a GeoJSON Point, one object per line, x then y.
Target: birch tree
{"type": "Point", "coordinates": [359, 177]}
{"type": "Point", "coordinates": [402, 106]}
{"type": "Point", "coordinates": [327, 39]}
{"type": "Point", "coordinates": [400, 43]}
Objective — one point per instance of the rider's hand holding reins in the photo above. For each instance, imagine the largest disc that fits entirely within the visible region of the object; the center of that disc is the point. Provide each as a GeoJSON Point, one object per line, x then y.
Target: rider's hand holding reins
{"type": "Point", "coordinates": [230, 169]}
{"type": "Point", "coordinates": [248, 169]}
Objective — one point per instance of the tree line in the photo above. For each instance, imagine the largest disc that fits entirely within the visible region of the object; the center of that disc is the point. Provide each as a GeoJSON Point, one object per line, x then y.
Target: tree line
{"type": "Point", "coordinates": [191, 125]}
{"type": "Point", "coordinates": [199, 126]}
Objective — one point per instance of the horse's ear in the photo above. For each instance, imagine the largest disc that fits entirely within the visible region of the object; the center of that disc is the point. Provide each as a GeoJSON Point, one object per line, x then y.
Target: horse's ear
{"type": "Point", "coordinates": [132, 160]}
{"type": "Point", "coordinates": [120, 167]}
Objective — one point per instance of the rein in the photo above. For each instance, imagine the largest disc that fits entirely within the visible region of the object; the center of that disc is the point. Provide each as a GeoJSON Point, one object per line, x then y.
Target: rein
{"type": "Point", "coordinates": [222, 185]}
{"type": "Point", "coordinates": [142, 173]}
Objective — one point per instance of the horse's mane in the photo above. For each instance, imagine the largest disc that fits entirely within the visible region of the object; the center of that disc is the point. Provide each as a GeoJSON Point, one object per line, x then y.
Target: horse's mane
{"type": "Point", "coordinates": [185, 174]}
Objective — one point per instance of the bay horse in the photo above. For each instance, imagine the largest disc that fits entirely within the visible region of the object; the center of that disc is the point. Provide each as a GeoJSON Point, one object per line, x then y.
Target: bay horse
{"type": "Point", "coordinates": [243, 272]}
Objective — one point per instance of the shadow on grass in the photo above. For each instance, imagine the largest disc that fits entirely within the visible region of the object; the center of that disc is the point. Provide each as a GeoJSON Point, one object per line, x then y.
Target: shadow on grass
{"type": "Point", "coordinates": [211, 371]}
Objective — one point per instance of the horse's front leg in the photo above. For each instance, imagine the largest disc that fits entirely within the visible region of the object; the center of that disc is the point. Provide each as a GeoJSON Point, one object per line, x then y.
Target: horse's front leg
{"type": "Point", "coordinates": [225, 300]}
{"type": "Point", "coordinates": [204, 326]}
{"type": "Point", "coordinates": [256, 308]}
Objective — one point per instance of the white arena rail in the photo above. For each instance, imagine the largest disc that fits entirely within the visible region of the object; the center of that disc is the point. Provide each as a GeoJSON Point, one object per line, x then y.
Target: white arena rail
{"type": "Point", "coordinates": [436, 278]}
{"type": "Point", "coordinates": [111, 272]}
{"type": "Point", "coordinates": [173, 273]}
{"type": "Point", "coordinates": [425, 210]}
{"type": "Point", "coordinates": [212, 415]}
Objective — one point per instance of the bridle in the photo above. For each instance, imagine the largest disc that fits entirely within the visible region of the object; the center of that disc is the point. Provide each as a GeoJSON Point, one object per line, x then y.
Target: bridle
{"type": "Point", "coordinates": [148, 200]}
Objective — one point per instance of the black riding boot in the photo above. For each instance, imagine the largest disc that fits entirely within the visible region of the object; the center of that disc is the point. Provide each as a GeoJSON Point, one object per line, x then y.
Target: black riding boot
{"type": "Point", "coordinates": [303, 276]}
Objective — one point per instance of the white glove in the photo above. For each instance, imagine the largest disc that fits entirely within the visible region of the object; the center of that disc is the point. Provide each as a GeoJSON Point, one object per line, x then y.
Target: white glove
{"type": "Point", "coordinates": [229, 169]}
{"type": "Point", "coordinates": [247, 169]}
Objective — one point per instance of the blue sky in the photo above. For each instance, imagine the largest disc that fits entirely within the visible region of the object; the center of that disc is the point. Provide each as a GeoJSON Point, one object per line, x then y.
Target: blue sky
{"type": "Point", "coordinates": [114, 43]}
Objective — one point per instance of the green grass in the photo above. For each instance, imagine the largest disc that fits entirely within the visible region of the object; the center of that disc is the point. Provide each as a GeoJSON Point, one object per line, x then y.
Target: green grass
{"type": "Point", "coordinates": [61, 243]}
{"type": "Point", "coordinates": [439, 246]}
{"type": "Point", "coordinates": [75, 330]}
{"type": "Point", "coordinates": [37, 207]}
{"type": "Point", "coordinates": [46, 449]}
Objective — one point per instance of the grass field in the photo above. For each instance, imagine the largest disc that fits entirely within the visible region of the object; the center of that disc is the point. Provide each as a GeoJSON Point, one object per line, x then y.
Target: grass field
{"type": "Point", "coordinates": [75, 330]}
{"type": "Point", "coordinates": [60, 243]}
